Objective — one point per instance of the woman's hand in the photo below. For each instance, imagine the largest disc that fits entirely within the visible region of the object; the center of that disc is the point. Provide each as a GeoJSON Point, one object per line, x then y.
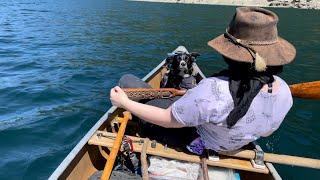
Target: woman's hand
{"type": "Point", "coordinates": [118, 97]}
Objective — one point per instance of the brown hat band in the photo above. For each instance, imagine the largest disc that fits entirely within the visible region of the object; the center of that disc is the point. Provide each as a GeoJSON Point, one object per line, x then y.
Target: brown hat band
{"type": "Point", "coordinates": [247, 42]}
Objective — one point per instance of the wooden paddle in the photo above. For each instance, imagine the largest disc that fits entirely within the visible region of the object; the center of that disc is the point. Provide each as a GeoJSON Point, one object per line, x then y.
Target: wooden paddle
{"type": "Point", "coordinates": [307, 90]}
{"type": "Point", "coordinates": [116, 146]}
{"type": "Point", "coordinates": [277, 158]}
{"type": "Point", "coordinates": [148, 93]}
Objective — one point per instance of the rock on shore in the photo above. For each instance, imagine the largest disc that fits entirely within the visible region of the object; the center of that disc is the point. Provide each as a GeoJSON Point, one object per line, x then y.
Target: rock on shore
{"type": "Point", "coordinates": [304, 4]}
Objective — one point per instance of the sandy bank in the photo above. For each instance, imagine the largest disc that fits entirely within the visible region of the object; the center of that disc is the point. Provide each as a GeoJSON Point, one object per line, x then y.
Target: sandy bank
{"type": "Point", "coordinates": [303, 4]}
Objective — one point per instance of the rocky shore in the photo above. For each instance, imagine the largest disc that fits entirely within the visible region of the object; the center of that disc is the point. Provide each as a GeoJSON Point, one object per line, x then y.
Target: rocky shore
{"type": "Point", "coordinates": [303, 4]}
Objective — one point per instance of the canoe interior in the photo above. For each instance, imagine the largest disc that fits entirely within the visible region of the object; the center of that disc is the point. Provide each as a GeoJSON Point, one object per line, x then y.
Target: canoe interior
{"type": "Point", "coordinates": [89, 159]}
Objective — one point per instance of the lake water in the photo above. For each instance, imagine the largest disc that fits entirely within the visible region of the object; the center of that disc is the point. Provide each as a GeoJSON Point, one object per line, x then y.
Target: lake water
{"type": "Point", "coordinates": [58, 60]}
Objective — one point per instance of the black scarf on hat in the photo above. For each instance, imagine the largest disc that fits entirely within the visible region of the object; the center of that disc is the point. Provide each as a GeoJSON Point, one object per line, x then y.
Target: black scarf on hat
{"type": "Point", "coordinates": [244, 84]}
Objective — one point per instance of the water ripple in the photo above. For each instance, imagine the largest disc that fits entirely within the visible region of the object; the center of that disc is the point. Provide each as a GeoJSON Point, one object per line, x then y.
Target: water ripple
{"type": "Point", "coordinates": [58, 60]}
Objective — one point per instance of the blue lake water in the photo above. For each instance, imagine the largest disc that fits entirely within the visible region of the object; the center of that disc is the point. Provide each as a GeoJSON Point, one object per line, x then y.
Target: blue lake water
{"type": "Point", "coordinates": [58, 60]}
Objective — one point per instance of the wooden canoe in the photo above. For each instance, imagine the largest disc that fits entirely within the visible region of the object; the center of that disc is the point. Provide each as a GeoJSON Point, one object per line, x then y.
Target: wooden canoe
{"type": "Point", "coordinates": [89, 155]}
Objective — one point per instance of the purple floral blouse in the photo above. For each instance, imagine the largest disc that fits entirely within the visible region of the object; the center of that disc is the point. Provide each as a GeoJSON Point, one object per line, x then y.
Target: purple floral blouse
{"type": "Point", "coordinates": [208, 104]}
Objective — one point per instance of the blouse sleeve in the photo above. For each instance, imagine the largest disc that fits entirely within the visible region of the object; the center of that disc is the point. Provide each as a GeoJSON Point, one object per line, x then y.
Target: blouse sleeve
{"type": "Point", "coordinates": [192, 108]}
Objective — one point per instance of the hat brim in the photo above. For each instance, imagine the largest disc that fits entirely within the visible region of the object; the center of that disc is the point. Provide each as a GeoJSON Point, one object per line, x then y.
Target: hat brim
{"type": "Point", "coordinates": [276, 54]}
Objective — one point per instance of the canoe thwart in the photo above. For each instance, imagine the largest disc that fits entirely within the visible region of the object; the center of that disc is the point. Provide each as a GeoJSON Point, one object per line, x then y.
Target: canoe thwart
{"type": "Point", "coordinates": [161, 150]}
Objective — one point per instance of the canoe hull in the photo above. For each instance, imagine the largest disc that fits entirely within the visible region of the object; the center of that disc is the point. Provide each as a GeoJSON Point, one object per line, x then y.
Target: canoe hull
{"type": "Point", "coordinates": [84, 160]}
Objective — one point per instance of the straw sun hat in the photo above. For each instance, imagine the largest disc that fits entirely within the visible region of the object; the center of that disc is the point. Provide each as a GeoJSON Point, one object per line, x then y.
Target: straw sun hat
{"type": "Point", "coordinates": [252, 36]}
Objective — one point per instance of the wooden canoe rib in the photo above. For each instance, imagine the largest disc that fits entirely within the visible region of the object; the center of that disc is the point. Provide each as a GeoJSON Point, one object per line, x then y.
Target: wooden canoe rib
{"type": "Point", "coordinates": [85, 159]}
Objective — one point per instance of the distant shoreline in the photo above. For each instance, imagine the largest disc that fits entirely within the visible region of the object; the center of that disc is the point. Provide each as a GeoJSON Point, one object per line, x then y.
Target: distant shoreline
{"type": "Point", "coordinates": [301, 4]}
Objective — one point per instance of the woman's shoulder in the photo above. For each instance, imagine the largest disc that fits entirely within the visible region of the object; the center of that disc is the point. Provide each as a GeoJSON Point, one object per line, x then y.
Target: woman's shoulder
{"type": "Point", "coordinates": [285, 92]}
{"type": "Point", "coordinates": [282, 94]}
{"type": "Point", "coordinates": [284, 87]}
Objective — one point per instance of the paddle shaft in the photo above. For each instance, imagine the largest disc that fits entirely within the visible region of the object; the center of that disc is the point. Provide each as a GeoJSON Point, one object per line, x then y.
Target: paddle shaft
{"type": "Point", "coordinates": [277, 158]}
{"type": "Point", "coordinates": [116, 146]}
{"type": "Point", "coordinates": [308, 90]}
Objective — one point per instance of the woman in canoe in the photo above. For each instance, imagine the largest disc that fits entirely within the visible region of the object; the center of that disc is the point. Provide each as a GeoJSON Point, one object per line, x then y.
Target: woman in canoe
{"type": "Point", "coordinates": [237, 105]}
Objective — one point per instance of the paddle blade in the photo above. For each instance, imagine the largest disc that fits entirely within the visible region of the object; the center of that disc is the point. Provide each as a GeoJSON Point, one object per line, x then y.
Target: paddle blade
{"type": "Point", "coordinates": [308, 90]}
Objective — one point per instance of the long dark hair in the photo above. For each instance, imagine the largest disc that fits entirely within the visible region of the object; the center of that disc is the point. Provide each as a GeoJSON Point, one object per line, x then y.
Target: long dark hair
{"type": "Point", "coordinates": [244, 84]}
